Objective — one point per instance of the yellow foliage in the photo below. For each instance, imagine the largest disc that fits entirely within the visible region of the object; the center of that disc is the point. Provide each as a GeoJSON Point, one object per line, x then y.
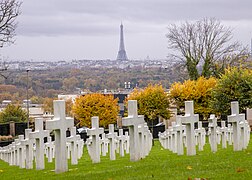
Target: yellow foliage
{"type": "Point", "coordinates": [199, 91]}
{"type": "Point", "coordinates": [152, 101]}
{"type": "Point", "coordinates": [104, 106]}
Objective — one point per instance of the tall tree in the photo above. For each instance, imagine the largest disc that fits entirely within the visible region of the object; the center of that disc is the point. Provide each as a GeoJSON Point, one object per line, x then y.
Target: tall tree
{"type": "Point", "coordinates": [205, 47]}
{"type": "Point", "coordinates": [200, 91]}
{"type": "Point", "coordinates": [153, 102]}
{"type": "Point", "coordinates": [104, 106]}
{"type": "Point", "coordinates": [234, 85]}
{"type": "Point", "coordinates": [13, 113]}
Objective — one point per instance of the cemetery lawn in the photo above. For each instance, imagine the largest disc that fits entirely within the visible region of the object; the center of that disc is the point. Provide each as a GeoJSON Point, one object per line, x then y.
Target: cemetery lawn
{"type": "Point", "coordinates": [160, 164]}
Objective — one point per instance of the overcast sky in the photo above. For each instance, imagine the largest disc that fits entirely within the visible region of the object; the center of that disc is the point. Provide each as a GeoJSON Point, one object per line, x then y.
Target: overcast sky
{"type": "Point", "coordinates": [89, 29]}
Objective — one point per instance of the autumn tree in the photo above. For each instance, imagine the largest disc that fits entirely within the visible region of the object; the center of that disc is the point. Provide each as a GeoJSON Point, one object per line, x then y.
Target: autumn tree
{"type": "Point", "coordinates": [70, 84]}
{"type": "Point", "coordinates": [204, 47]}
{"type": "Point", "coordinates": [104, 106]}
{"type": "Point", "coordinates": [48, 105]}
{"type": "Point", "coordinates": [234, 85]}
{"type": "Point", "coordinates": [200, 91]}
{"type": "Point", "coordinates": [153, 102]}
{"type": "Point", "coordinates": [13, 113]}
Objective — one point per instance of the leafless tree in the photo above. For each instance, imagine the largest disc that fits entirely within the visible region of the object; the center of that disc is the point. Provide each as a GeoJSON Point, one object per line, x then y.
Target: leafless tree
{"type": "Point", "coordinates": [9, 10]}
{"type": "Point", "coordinates": [205, 47]}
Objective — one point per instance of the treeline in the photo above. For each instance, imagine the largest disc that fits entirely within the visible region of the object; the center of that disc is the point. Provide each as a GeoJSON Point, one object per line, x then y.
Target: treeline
{"type": "Point", "coordinates": [50, 83]}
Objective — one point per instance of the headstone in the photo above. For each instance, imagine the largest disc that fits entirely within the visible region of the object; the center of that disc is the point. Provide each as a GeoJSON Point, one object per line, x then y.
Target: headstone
{"type": "Point", "coordinates": [179, 130]}
{"type": "Point", "coordinates": [235, 119]}
{"type": "Point", "coordinates": [141, 140]}
{"type": "Point", "coordinates": [104, 146]}
{"type": "Point", "coordinates": [127, 142]}
{"type": "Point", "coordinates": [189, 119]}
{"type": "Point", "coordinates": [121, 140]}
{"type": "Point", "coordinates": [174, 138]}
{"type": "Point", "coordinates": [60, 123]}
{"type": "Point", "coordinates": [94, 132]}
{"type": "Point", "coordinates": [73, 140]}
{"type": "Point", "coordinates": [249, 116]}
{"type": "Point", "coordinates": [49, 146]}
{"type": "Point", "coordinates": [39, 134]}
{"type": "Point", "coordinates": [21, 152]}
{"type": "Point", "coordinates": [201, 135]}
{"type": "Point", "coordinates": [223, 131]}
{"type": "Point", "coordinates": [111, 136]}
{"type": "Point", "coordinates": [213, 136]}
{"type": "Point", "coordinates": [230, 134]}
{"type": "Point", "coordinates": [133, 121]}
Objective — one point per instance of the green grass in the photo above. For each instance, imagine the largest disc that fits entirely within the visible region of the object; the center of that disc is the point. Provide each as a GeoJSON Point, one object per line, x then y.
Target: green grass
{"type": "Point", "coordinates": [160, 164]}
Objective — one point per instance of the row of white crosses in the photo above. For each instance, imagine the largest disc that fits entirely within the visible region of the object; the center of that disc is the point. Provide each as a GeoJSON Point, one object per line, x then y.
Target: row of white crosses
{"type": "Point", "coordinates": [138, 143]}
{"type": "Point", "coordinates": [182, 133]}
{"type": "Point", "coordinates": [139, 135]}
{"type": "Point", "coordinates": [21, 152]}
{"type": "Point", "coordinates": [241, 129]}
{"type": "Point", "coordinates": [238, 134]}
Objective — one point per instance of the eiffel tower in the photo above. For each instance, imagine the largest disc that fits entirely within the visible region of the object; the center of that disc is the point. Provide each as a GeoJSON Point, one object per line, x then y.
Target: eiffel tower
{"type": "Point", "coordinates": [121, 56]}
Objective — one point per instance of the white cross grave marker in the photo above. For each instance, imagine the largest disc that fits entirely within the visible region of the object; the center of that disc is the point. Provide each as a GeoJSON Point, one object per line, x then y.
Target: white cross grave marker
{"type": "Point", "coordinates": [132, 121]}
{"type": "Point", "coordinates": [28, 143]}
{"type": "Point", "coordinates": [73, 140]}
{"type": "Point", "coordinates": [60, 123]}
{"type": "Point", "coordinates": [179, 130]}
{"type": "Point", "coordinates": [213, 136]}
{"type": "Point", "coordinates": [39, 134]}
{"type": "Point", "coordinates": [235, 119]}
{"type": "Point", "coordinates": [121, 139]}
{"type": "Point", "coordinates": [223, 131]}
{"type": "Point", "coordinates": [49, 146]}
{"type": "Point", "coordinates": [189, 119]}
{"type": "Point", "coordinates": [111, 136]}
{"type": "Point", "coordinates": [95, 131]}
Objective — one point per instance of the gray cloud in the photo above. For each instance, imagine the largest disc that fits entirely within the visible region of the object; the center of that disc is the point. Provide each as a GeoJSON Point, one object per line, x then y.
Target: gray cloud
{"type": "Point", "coordinates": [55, 17]}
{"type": "Point", "coordinates": [89, 25]}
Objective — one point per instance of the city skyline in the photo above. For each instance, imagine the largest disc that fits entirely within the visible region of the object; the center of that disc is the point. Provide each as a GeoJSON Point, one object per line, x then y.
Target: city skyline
{"type": "Point", "coordinates": [81, 29]}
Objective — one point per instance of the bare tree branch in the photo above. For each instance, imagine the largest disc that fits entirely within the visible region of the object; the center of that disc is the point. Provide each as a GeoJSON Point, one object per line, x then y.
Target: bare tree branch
{"type": "Point", "coordinates": [203, 43]}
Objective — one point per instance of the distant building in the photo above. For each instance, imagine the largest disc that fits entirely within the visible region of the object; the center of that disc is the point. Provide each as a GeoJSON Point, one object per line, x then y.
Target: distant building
{"type": "Point", "coordinates": [121, 56]}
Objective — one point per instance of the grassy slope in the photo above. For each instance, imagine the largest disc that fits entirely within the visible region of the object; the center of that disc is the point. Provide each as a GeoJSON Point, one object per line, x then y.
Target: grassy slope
{"type": "Point", "coordinates": [160, 164]}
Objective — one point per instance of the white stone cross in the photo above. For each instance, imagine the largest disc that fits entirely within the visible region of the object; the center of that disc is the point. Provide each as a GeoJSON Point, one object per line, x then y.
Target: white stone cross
{"type": "Point", "coordinates": [104, 145]}
{"type": "Point", "coordinates": [28, 143]}
{"type": "Point", "coordinates": [127, 142]}
{"type": "Point", "coordinates": [73, 140]}
{"type": "Point", "coordinates": [201, 135]}
{"type": "Point", "coordinates": [174, 138]}
{"type": "Point", "coordinates": [132, 121]}
{"type": "Point", "coordinates": [111, 136]}
{"type": "Point", "coordinates": [94, 132]}
{"type": "Point", "coordinates": [21, 152]}
{"type": "Point", "coordinates": [213, 136]}
{"type": "Point", "coordinates": [179, 130]}
{"type": "Point", "coordinates": [60, 123]}
{"type": "Point", "coordinates": [230, 134]}
{"type": "Point", "coordinates": [49, 146]}
{"type": "Point", "coordinates": [223, 131]}
{"type": "Point", "coordinates": [141, 140]}
{"type": "Point", "coordinates": [235, 118]}
{"type": "Point", "coordinates": [147, 140]}
{"type": "Point", "coordinates": [121, 139]}
{"type": "Point", "coordinates": [189, 119]}
{"type": "Point", "coordinates": [39, 134]}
